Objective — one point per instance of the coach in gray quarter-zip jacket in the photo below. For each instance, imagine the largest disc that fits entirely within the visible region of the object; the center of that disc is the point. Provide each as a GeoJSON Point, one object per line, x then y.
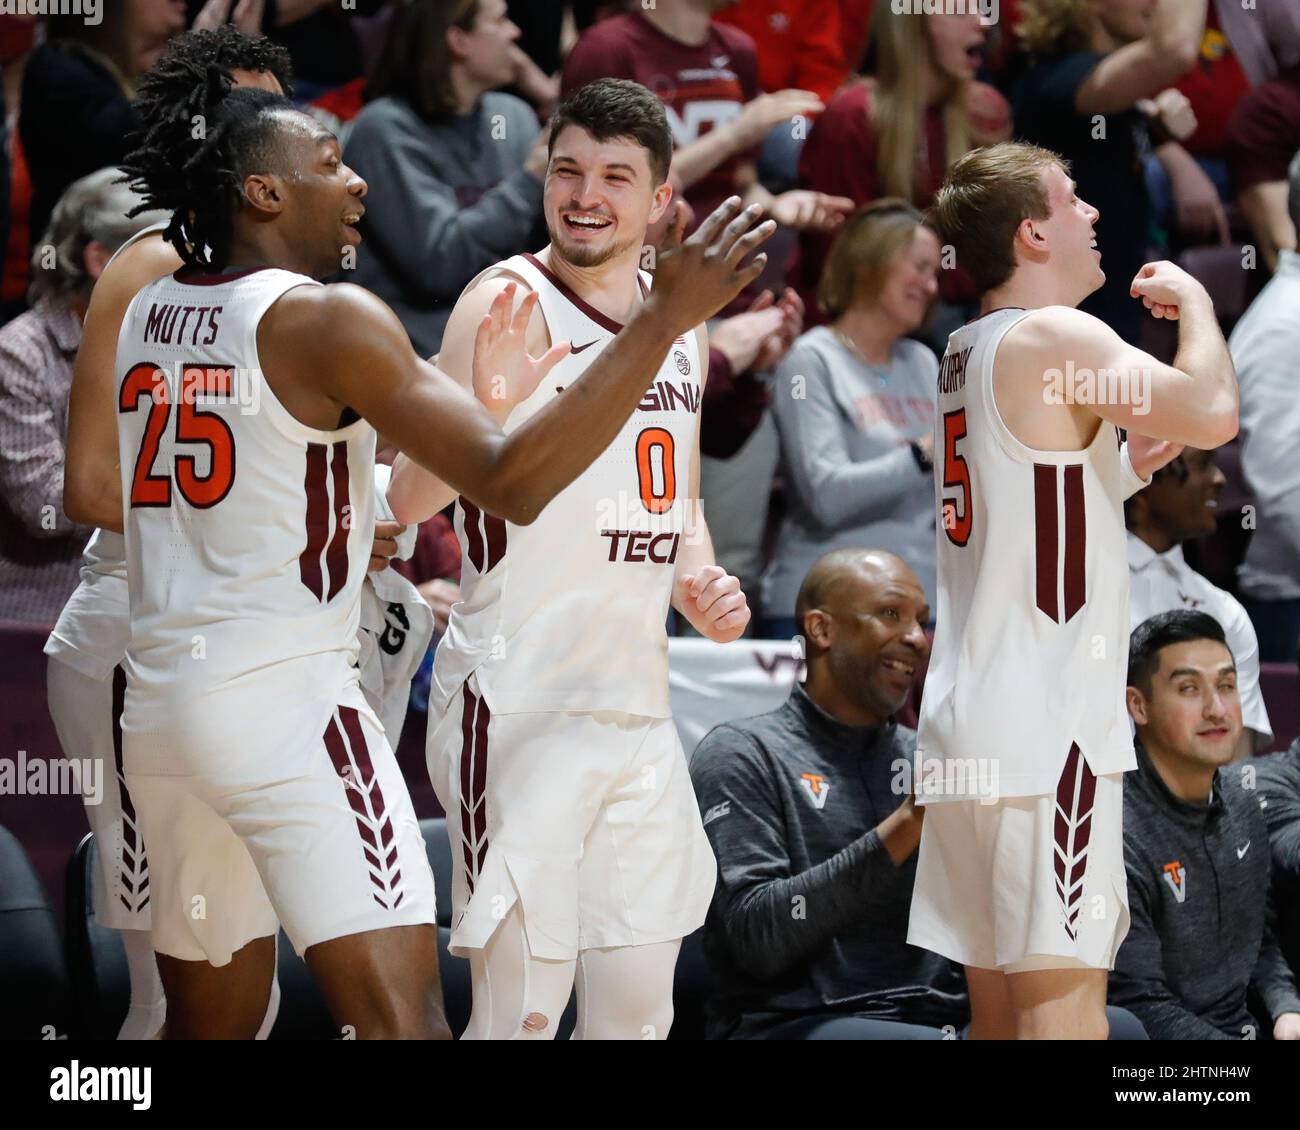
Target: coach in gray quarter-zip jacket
{"type": "Point", "coordinates": [1196, 849]}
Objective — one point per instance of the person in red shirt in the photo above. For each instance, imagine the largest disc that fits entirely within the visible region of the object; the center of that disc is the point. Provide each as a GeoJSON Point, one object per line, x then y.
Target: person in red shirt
{"type": "Point", "coordinates": [799, 43]}
{"type": "Point", "coordinates": [896, 133]}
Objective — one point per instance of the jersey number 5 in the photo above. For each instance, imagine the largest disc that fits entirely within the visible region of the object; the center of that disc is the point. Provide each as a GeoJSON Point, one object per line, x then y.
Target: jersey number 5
{"type": "Point", "coordinates": [956, 473]}
{"type": "Point", "coordinates": [192, 426]}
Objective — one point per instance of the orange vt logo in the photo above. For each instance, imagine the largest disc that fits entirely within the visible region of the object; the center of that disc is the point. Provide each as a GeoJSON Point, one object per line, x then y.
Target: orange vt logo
{"type": "Point", "coordinates": [1176, 876]}
{"type": "Point", "coordinates": [818, 788]}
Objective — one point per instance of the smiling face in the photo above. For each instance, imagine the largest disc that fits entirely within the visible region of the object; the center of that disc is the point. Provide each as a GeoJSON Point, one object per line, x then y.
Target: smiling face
{"type": "Point", "coordinates": [871, 621]}
{"type": "Point", "coordinates": [912, 280]}
{"type": "Point", "coordinates": [600, 198]}
{"type": "Point", "coordinates": [956, 44]}
{"type": "Point", "coordinates": [319, 201]}
{"type": "Point", "coordinates": [1068, 236]}
{"type": "Point", "coordinates": [1191, 711]}
{"type": "Point", "coordinates": [1183, 508]}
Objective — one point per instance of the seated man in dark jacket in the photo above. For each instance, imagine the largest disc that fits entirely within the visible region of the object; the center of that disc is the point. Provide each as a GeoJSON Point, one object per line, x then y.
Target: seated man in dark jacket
{"type": "Point", "coordinates": [810, 812]}
{"type": "Point", "coordinates": [1278, 780]}
{"type": "Point", "coordinates": [1195, 848]}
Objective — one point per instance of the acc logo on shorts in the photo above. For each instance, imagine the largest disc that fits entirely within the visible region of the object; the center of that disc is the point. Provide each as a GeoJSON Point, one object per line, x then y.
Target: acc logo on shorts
{"type": "Point", "coordinates": [818, 788]}
{"type": "Point", "coordinates": [1176, 876]}
{"type": "Point", "coordinates": [683, 362]}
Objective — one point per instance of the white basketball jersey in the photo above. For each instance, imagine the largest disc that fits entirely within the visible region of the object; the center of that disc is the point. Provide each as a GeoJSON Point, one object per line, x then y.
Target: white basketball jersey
{"type": "Point", "coordinates": [1032, 624]}
{"type": "Point", "coordinates": [247, 532]}
{"type": "Point", "coordinates": [569, 613]}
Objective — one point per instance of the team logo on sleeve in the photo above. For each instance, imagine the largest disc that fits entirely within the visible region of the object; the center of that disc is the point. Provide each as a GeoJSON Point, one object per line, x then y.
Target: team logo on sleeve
{"type": "Point", "coordinates": [1175, 875]}
{"type": "Point", "coordinates": [818, 788]}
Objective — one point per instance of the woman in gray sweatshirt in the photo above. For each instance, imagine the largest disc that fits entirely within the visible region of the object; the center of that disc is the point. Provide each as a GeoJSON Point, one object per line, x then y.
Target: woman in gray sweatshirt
{"type": "Point", "coordinates": [854, 405]}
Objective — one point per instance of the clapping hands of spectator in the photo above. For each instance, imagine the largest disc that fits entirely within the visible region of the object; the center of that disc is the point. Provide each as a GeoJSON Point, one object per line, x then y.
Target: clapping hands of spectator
{"type": "Point", "coordinates": [767, 110]}
{"type": "Point", "coordinates": [1173, 111]}
{"type": "Point", "coordinates": [804, 210]}
{"type": "Point", "coordinates": [776, 346]}
{"type": "Point", "coordinates": [762, 335]}
{"type": "Point", "coordinates": [248, 15]}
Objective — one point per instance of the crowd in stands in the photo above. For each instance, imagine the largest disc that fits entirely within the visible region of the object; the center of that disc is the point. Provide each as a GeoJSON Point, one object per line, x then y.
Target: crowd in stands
{"type": "Point", "coordinates": [1181, 123]}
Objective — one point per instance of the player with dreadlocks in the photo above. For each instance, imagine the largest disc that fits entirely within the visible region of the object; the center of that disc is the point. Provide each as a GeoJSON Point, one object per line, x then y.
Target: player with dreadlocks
{"type": "Point", "coordinates": [246, 394]}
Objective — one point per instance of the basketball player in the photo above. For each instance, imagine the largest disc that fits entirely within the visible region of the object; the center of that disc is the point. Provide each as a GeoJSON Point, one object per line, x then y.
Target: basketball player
{"type": "Point", "coordinates": [263, 784]}
{"type": "Point", "coordinates": [1024, 699]}
{"type": "Point", "coordinates": [551, 744]}
{"type": "Point", "coordinates": [86, 681]}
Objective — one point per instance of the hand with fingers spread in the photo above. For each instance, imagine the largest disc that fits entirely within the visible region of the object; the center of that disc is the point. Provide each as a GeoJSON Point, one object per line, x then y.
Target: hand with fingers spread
{"type": "Point", "coordinates": [697, 278]}
{"type": "Point", "coordinates": [766, 111]}
{"type": "Point", "coordinates": [712, 602]}
{"type": "Point", "coordinates": [505, 373]}
{"type": "Point", "coordinates": [805, 210]}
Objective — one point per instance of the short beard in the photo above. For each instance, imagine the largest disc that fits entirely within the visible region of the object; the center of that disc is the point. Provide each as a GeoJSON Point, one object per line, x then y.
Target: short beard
{"type": "Point", "coordinates": [576, 255]}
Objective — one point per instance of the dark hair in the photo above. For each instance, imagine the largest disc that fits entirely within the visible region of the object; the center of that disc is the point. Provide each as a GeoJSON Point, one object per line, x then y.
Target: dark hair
{"type": "Point", "coordinates": [1163, 630]}
{"type": "Point", "coordinates": [614, 108]}
{"type": "Point", "coordinates": [199, 179]}
{"type": "Point", "coordinates": [1293, 189]}
{"type": "Point", "coordinates": [415, 64]}
{"type": "Point", "coordinates": [187, 57]}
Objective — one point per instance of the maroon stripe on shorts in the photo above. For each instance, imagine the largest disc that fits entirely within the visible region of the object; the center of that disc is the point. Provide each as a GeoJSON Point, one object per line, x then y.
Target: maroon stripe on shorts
{"type": "Point", "coordinates": [132, 863]}
{"type": "Point", "coordinates": [317, 519]}
{"type": "Point", "coordinates": [473, 535]}
{"type": "Point", "coordinates": [336, 558]}
{"type": "Point", "coordinates": [1045, 539]}
{"type": "Point", "coordinates": [473, 778]}
{"type": "Point", "coordinates": [1076, 530]}
{"type": "Point", "coordinates": [1076, 793]}
{"type": "Point", "coordinates": [495, 529]}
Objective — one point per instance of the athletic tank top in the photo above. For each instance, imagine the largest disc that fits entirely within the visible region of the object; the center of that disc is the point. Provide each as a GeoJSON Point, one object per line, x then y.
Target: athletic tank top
{"type": "Point", "coordinates": [247, 532]}
{"type": "Point", "coordinates": [1032, 622]}
{"type": "Point", "coordinates": [569, 613]}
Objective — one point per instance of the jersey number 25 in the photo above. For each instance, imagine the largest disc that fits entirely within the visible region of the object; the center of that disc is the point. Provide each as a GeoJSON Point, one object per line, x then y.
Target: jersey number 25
{"type": "Point", "coordinates": [147, 381]}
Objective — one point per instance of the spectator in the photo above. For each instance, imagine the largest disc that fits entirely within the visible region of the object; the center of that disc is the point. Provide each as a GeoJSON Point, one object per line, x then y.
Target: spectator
{"type": "Point", "coordinates": [40, 548]}
{"type": "Point", "coordinates": [77, 90]}
{"type": "Point", "coordinates": [854, 404]}
{"type": "Point", "coordinates": [1092, 63]}
{"type": "Point", "coordinates": [1266, 37]}
{"type": "Point", "coordinates": [707, 76]}
{"type": "Point", "coordinates": [803, 808]}
{"type": "Point", "coordinates": [1263, 136]}
{"type": "Point", "coordinates": [17, 40]}
{"type": "Point", "coordinates": [800, 47]}
{"type": "Point", "coordinates": [1199, 935]}
{"type": "Point", "coordinates": [1264, 346]}
{"type": "Point", "coordinates": [896, 134]}
{"type": "Point", "coordinates": [1180, 504]}
{"type": "Point", "coordinates": [455, 167]}
{"type": "Point", "coordinates": [320, 35]}
{"type": "Point", "coordinates": [1278, 779]}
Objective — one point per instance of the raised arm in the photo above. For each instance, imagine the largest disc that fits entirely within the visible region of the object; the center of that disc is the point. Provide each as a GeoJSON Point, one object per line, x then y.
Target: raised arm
{"type": "Point", "coordinates": [363, 359]}
{"type": "Point", "coordinates": [1192, 402]}
{"type": "Point", "coordinates": [1146, 66]}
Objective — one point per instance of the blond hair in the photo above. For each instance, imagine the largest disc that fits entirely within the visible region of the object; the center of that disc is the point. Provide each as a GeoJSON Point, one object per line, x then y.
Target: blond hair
{"type": "Point", "coordinates": [985, 198]}
{"type": "Point", "coordinates": [1052, 27]}
{"type": "Point", "coordinates": [863, 250]}
{"type": "Point", "coordinates": [901, 44]}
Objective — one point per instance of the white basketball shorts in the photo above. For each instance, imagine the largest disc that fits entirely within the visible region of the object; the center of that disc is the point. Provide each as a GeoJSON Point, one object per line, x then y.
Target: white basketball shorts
{"type": "Point", "coordinates": [1027, 882]}
{"type": "Point", "coordinates": [327, 846]}
{"type": "Point", "coordinates": [587, 819]}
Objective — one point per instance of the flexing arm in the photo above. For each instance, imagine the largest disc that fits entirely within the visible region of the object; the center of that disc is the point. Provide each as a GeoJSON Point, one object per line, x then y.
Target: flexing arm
{"type": "Point", "coordinates": [362, 358]}
{"type": "Point", "coordinates": [1192, 402]}
{"type": "Point", "coordinates": [92, 483]}
{"type": "Point", "coordinates": [1143, 68]}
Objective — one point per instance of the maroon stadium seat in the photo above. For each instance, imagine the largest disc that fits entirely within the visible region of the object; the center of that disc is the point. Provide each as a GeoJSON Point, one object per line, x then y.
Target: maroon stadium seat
{"type": "Point", "coordinates": [1278, 682]}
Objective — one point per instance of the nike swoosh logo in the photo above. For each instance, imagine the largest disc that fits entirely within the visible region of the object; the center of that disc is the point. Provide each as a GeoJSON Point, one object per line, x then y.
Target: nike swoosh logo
{"type": "Point", "coordinates": [1241, 851]}
{"type": "Point", "coordinates": [580, 348]}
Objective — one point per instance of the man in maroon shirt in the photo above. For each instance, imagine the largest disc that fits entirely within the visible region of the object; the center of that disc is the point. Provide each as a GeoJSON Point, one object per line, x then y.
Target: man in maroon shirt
{"type": "Point", "coordinates": [1263, 137]}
